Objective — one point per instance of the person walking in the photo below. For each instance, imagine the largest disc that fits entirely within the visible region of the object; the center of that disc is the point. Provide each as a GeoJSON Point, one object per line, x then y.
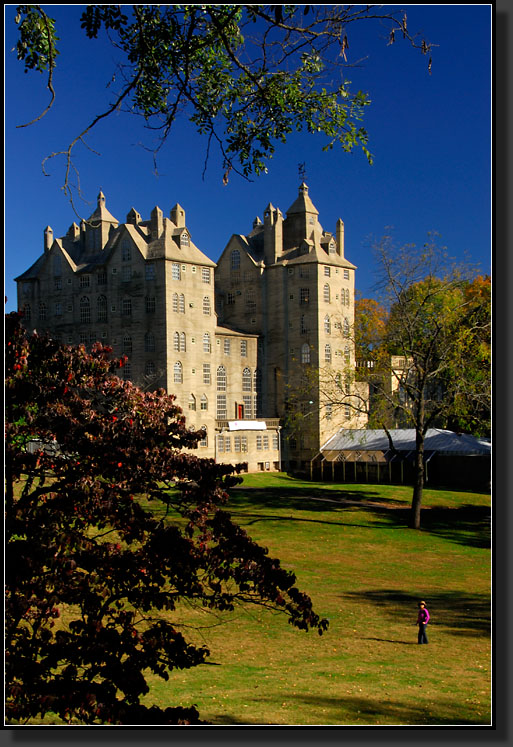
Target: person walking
{"type": "Point", "coordinates": [422, 621]}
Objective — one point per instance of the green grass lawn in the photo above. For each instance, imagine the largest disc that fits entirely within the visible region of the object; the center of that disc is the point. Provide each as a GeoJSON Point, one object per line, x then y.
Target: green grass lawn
{"type": "Point", "coordinates": [351, 550]}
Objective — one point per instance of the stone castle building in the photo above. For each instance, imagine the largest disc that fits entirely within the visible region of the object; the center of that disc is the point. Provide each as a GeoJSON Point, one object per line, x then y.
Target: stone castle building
{"type": "Point", "coordinates": [232, 341]}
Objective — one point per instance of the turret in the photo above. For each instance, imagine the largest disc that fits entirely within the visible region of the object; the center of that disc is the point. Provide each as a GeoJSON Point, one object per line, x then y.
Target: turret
{"type": "Point", "coordinates": [273, 234]}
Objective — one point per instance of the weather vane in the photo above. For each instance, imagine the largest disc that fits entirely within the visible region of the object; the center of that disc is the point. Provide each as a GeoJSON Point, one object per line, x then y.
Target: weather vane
{"type": "Point", "coordinates": [301, 167]}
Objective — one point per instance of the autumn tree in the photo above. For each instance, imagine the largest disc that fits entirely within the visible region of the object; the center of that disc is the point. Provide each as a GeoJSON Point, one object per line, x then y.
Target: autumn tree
{"type": "Point", "coordinates": [432, 367]}
{"type": "Point", "coordinates": [111, 522]}
{"type": "Point", "coordinates": [246, 76]}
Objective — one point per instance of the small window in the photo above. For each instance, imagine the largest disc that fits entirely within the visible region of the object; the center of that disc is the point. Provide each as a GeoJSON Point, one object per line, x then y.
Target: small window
{"type": "Point", "coordinates": [205, 275]}
{"type": "Point", "coordinates": [243, 348]}
{"type": "Point", "coordinates": [327, 271]}
{"type": "Point", "coordinates": [85, 281]}
{"type": "Point", "coordinates": [305, 353]}
{"type": "Point", "coordinates": [175, 271]}
{"type": "Point", "coordinates": [149, 271]}
{"type": "Point", "coordinates": [207, 347]}
{"type": "Point", "coordinates": [346, 274]}
{"type": "Point", "coordinates": [206, 305]}
{"type": "Point", "coordinates": [184, 239]}
{"type": "Point", "coordinates": [204, 402]}
{"type": "Point", "coordinates": [227, 346]}
{"type": "Point", "coordinates": [126, 307]}
{"type": "Point", "coordinates": [150, 304]}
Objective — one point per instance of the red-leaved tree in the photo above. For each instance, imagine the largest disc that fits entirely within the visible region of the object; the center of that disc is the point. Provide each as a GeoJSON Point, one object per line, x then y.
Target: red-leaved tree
{"type": "Point", "coordinates": [93, 571]}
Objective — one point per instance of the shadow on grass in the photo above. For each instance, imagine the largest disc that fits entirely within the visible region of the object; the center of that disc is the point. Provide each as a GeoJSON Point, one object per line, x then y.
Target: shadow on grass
{"type": "Point", "coordinates": [359, 711]}
{"type": "Point", "coordinates": [467, 524]}
{"type": "Point", "coordinates": [461, 612]}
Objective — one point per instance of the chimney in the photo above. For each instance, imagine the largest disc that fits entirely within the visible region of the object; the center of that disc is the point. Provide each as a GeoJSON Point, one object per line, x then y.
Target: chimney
{"type": "Point", "coordinates": [48, 239]}
{"type": "Point", "coordinates": [340, 237]}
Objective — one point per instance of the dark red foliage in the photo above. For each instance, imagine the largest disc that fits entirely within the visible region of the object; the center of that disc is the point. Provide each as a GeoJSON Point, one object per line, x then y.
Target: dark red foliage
{"type": "Point", "coordinates": [88, 566]}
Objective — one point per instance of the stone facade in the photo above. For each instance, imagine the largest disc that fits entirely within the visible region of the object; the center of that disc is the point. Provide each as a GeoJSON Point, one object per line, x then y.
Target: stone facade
{"type": "Point", "coordinates": [228, 340]}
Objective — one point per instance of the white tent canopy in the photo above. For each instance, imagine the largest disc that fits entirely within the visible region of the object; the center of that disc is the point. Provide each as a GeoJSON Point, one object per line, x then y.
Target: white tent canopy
{"type": "Point", "coordinates": [403, 439]}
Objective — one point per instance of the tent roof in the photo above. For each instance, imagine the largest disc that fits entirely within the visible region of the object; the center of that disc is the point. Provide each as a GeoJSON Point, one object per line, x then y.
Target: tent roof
{"type": "Point", "coordinates": [437, 440]}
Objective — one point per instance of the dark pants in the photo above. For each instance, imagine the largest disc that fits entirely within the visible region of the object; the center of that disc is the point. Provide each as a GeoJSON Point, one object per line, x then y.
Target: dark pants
{"type": "Point", "coordinates": [422, 633]}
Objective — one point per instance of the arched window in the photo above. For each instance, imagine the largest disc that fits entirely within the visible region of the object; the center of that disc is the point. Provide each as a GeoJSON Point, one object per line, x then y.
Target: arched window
{"type": "Point", "coordinates": [305, 353]}
{"type": "Point", "coordinates": [204, 439]}
{"type": "Point", "coordinates": [206, 305]}
{"type": "Point", "coordinates": [327, 353]}
{"type": "Point", "coordinates": [221, 379]}
{"type": "Point", "coordinates": [101, 308]}
{"type": "Point", "coordinates": [175, 302]}
{"type": "Point", "coordinates": [346, 327]}
{"type": "Point", "coordinates": [250, 301]}
{"type": "Point", "coordinates": [126, 251]}
{"type": "Point", "coordinates": [235, 259]}
{"type": "Point", "coordinates": [347, 354]}
{"type": "Point", "coordinates": [327, 293]}
{"type": "Point", "coordinates": [149, 342]}
{"type": "Point", "coordinates": [178, 373]}
{"type": "Point", "coordinates": [327, 325]}
{"type": "Point", "coordinates": [127, 344]}
{"type": "Point", "coordinates": [204, 402]}
{"type": "Point", "coordinates": [176, 341]}
{"type": "Point", "coordinates": [181, 303]}
{"type": "Point", "coordinates": [206, 343]}
{"type": "Point", "coordinates": [246, 380]}
{"type": "Point", "coordinates": [149, 368]}
{"type": "Point", "coordinates": [192, 402]}
{"type": "Point", "coordinates": [85, 310]}
{"type": "Point", "coordinates": [182, 342]}
{"type": "Point", "coordinates": [42, 311]}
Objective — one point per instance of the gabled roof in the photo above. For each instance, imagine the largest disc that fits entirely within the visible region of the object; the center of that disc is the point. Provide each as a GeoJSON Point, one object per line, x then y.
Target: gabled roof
{"type": "Point", "coordinates": [101, 213]}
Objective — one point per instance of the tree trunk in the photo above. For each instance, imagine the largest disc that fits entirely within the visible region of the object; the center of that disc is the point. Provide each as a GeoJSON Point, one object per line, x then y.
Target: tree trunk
{"type": "Point", "coordinates": [418, 483]}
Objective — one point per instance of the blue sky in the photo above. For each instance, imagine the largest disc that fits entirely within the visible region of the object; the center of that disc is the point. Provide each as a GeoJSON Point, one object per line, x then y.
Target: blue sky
{"type": "Point", "coordinates": [430, 136]}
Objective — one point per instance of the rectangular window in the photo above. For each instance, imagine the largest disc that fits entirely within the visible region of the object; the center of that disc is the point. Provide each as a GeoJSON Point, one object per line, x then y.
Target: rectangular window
{"type": "Point", "coordinates": [230, 299]}
{"type": "Point", "coordinates": [126, 307]}
{"type": "Point", "coordinates": [126, 274]}
{"type": "Point", "coordinates": [304, 295]}
{"type": "Point", "coordinates": [276, 443]}
{"type": "Point", "coordinates": [84, 281]}
{"type": "Point", "coordinates": [243, 348]}
{"type": "Point", "coordinates": [206, 373]}
{"type": "Point", "coordinates": [346, 274]}
{"type": "Point", "coordinates": [327, 271]}
{"type": "Point", "coordinates": [57, 284]}
{"type": "Point", "coordinates": [259, 443]}
{"type": "Point", "coordinates": [150, 304]}
{"type": "Point", "coordinates": [248, 406]}
{"type": "Point", "coordinates": [149, 271]}
{"type": "Point", "coordinates": [175, 271]}
{"type": "Point", "coordinates": [205, 275]}
{"type": "Point", "coordinates": [221, 409]}
{"type": "Point", "coordinates": [227, 347]}
{"type": "Point", "coordinates": [220, 444]}
{"type": "Point", "coordinates": [101, 278]}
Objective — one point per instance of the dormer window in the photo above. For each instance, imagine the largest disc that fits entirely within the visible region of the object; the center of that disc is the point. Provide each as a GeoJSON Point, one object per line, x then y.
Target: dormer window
{"type": "Point", "coordinates": [332, 247]}
{"type": "Point", "coordinates": [184, 239]}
